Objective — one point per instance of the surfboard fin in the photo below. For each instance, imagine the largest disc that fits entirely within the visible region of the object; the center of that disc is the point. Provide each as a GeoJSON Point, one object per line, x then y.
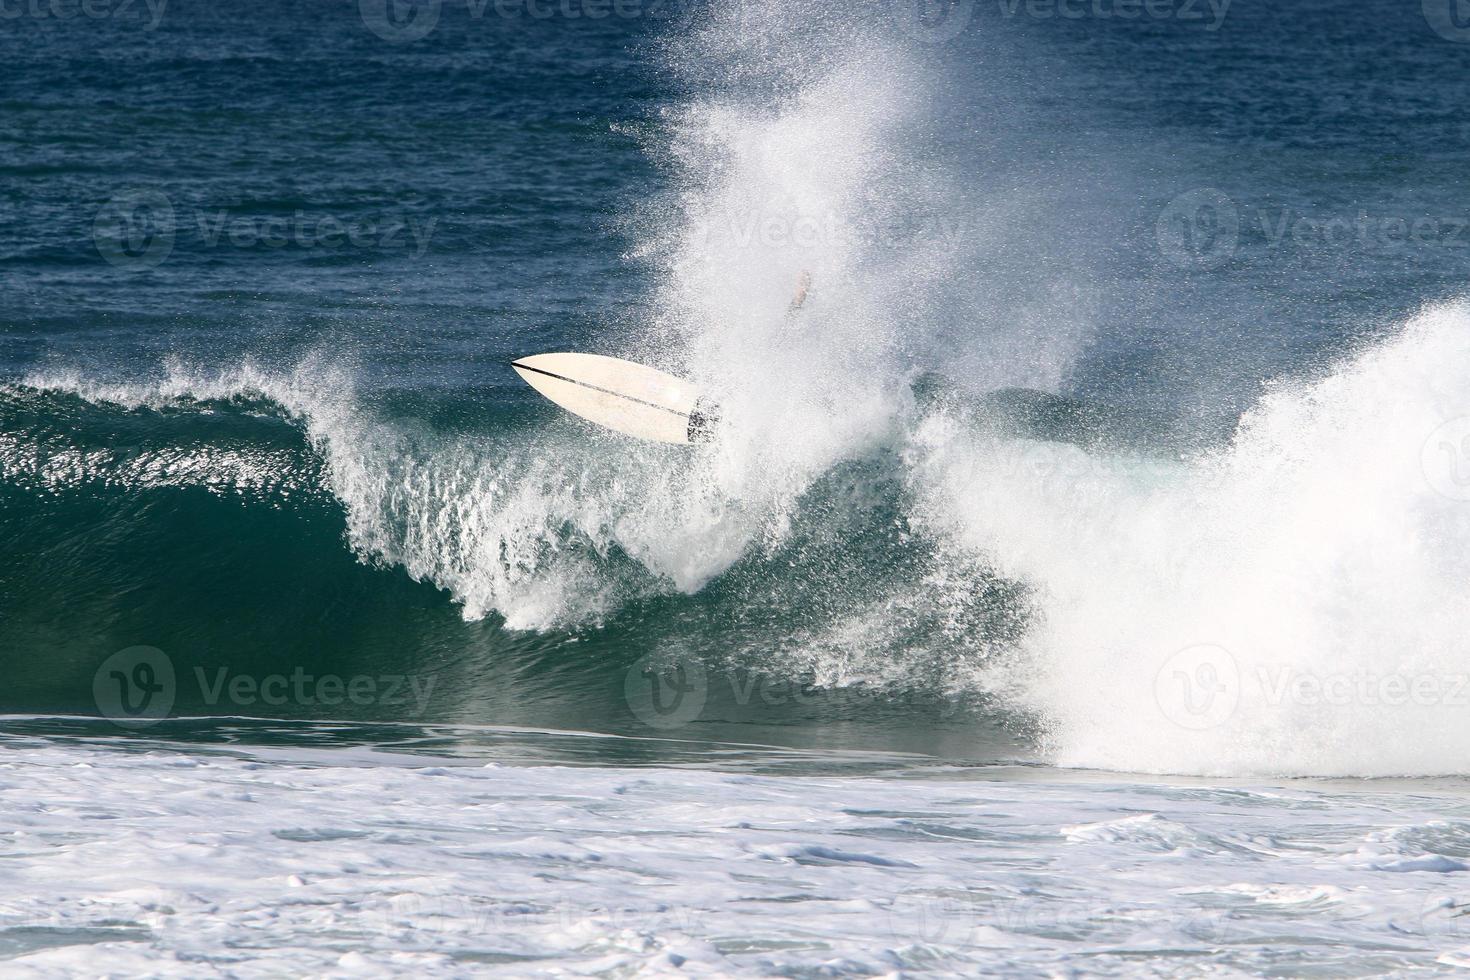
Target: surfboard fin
{"type": "Point", "coordinates": [702, 421]}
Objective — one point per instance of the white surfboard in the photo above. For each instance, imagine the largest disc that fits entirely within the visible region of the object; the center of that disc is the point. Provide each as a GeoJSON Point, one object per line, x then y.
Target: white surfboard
{"type": "Point", "coordinates": [634, 399]}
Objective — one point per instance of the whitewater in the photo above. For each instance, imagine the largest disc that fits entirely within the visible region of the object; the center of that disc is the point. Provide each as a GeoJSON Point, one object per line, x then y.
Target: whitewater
{"type": "Point", "coordinates": [373, 862]}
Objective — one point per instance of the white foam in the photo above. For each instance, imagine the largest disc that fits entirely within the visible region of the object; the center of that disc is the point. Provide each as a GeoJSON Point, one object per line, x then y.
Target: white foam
{"type": "Point", "coordinates": [1176, 602]}
{"type": "Point", "coordinates": [326, 866]}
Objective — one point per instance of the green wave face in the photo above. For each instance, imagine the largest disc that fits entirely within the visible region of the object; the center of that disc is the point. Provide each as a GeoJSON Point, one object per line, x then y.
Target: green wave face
{"type": "Point", "coordinates": [210, 529]}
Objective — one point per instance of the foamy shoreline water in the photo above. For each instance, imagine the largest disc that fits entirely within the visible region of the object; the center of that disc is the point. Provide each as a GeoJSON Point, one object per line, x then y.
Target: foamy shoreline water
{"type": "Point", "coordinates": [188, 861]}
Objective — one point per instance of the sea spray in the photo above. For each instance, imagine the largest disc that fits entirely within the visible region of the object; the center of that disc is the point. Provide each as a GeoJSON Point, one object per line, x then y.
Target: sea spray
{"type": "Point", "coordinates": [1293, 603]}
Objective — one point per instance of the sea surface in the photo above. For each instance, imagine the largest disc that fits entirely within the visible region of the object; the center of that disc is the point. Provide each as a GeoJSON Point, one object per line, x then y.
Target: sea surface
{"type": "Point", "coordinates": [1076, 582]}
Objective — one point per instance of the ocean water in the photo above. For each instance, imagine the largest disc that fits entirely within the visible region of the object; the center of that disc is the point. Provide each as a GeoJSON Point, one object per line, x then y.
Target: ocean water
{"type": "Point", "coordinates": [1075, 582]}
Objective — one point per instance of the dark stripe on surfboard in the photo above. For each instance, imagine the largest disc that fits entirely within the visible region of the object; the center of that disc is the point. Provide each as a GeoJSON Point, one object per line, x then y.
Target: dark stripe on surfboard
{"type": "Point", "coordinates": [605, 391]}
